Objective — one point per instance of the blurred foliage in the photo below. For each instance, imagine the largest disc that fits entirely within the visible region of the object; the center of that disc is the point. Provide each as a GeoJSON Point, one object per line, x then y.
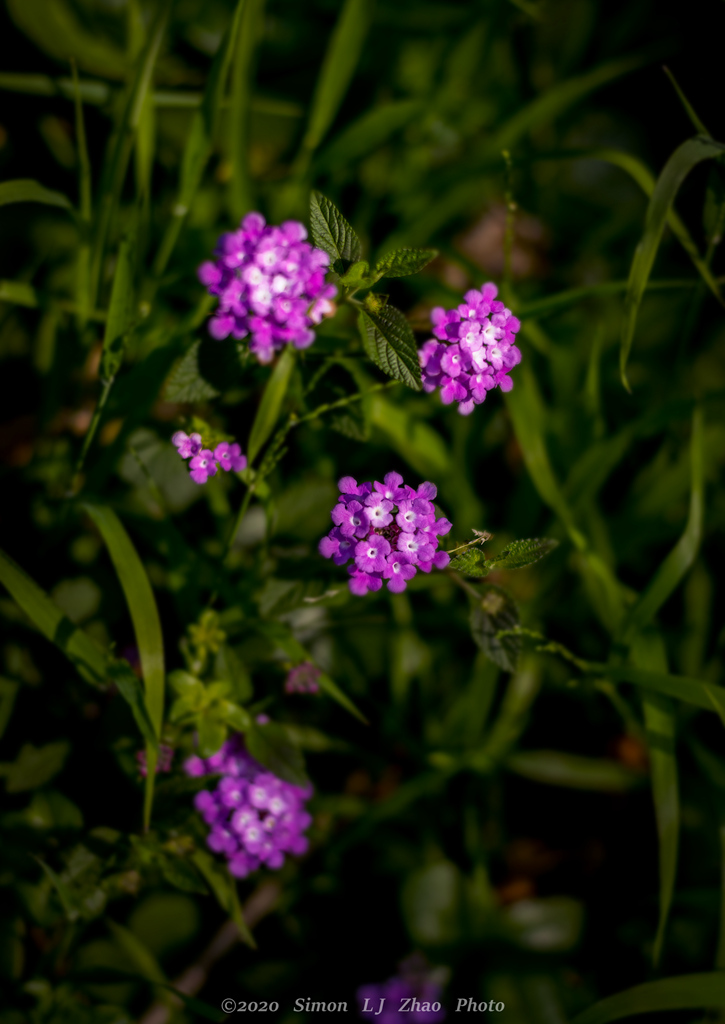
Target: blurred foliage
{"type": "Point", "coordinates": [522, 777]}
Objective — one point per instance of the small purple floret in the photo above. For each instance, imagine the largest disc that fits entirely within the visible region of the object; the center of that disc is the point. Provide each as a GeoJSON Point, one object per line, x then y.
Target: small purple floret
{"type": "Point", "coordinates": [303, 679]}
{"type": "Point", "coordinates": [390, 531]}
{"type": "Point", "coordinates": [473, 349]}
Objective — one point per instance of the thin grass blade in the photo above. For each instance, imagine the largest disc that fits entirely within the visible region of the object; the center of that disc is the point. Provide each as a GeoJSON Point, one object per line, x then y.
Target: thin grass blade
{"type": "Point", "coordinates": [88, 658]}
{"type": "Point", "coordinates": [146, 623]}
{"type": "Point", "coordinates": [338, 68]}
{"type": "Point", "coordinates": [686, 992]}
{"type": "Point", "coordinates": [271, 404]}
{"type": "Point", "coordinates": [679, 165]}
{"type": "Point", "coordinates": [25, 190]}
{"type": "Point", "coordinates": [673, 569]}
{"type": "Point", "coordinates": [250, 30]}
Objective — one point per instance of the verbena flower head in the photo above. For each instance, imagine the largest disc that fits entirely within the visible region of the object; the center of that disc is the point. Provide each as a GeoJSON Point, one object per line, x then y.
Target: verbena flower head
{"type": "Point", "coordinates": [254, 817]}
{"type": "Point", "coordinates": [205, 462]}
{"type": "Point", "coordinates": [416, 984]}
{"type": "Point", "coordinates": [163, 764]}
{"type": "Point", "coordinates": [473, 350]}
{"type": "Point", "coordinates": [389, 530]}
{"type": "Point", "coordinates": [271, 286]}
{"type": "Point", "coordinates": [303, 679]}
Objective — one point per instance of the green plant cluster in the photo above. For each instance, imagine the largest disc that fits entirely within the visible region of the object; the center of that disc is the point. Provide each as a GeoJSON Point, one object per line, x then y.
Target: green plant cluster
{"type": "Point", "coordinates": [516, 762]}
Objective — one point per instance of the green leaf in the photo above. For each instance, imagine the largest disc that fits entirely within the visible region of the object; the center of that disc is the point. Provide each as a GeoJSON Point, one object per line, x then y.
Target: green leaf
{"type": "Point", "coordinates": [271, 745]}
{"type": "Point", "coordinates": [697, 124]}
{"type": "Point", "coordinates": [25, 190]}
{"type": "Point", "coordinates": [332, 233]}
{"type": "Point", "coordinates": [471, 562]}
{"type": "Point", "coordinates": [121, 143]}
{"type": "Point", "coordinates": [228, 665]}
{"type": "Point", "coordinates": [138, 953]}
{"type": "Point", "coordinates": [271, 404]}
{"type": "Point", "coordinates": [521, 553]}
{"type": "Point", "coordinates": [34, 766]}
{"type": "Point", "coordinates": [494, 612]}
{"type": "Point", "coordinates": [338, 67]}
{"type": "Point", "coordinates": [403, 262]}
{"type": "Point", "coordinates": [146, 623]}
{"type": "Point", "coordinates": [250, 32]}
{"type": "Point", "coordinates": [120, 313]}
{"type": "Point", "coordinates": [677, 563]}
{"type": "Point", "coordinates": [368, 133]}
{"type": "Point", "coordinates": [54, 28]}
{"type": "Point", "coordinates": [8, 692]}
{"type": "Point", "coordinates": [685, 157]}
{"type": "Point", "coordinates": [185, 383]}
{"type": "Point", "coordinates": [713, 213]}
{"type": "Point", "coordinates": [556, 768]}
{"type": "Point", "coordinates": [87, 657]}
{"type": "Point", "coordinates": [224, 888]}
{"type": "Point", "coordinates": [358, 276]}
{"type": "Point", "coordinates": [129, 686]}
{"type": "Point", "coordinates": [200, 141]}
{"type": "Point", "coordinates": [648, 652]}
{"type": "Point", "coordinates": [390, 343]}
{"type": "Point", "coordinates": [686, 992]}
{"type": "Point", "coordinates": [280, 634]}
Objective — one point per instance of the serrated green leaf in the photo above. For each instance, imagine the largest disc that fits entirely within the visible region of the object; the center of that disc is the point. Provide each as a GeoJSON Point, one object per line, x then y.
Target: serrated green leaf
{"type": "Point", "coordinates": [34, 766]}
{"type": "Point", "coordinates": [271, 745]}
{"type": "Point", "coordinates": [403, 262]}
{"type": "Point", "coordinates": [472, 562]}
{"type": "Point", "coordinates": [25, 190]}
{"type": "Point", "coordinates": [390, 343]}
{"type": "Point", "coordinates": [685, 992]}
{"type": "Point", "coordinates": [89, 660]}
{"type": "Point", "coordinates": [185, 382]}
{"type": "Point", "coordinates": [129, 686]}
{"type": "Point", "coordinates": [520, 553]}
{"type": "Point", "coordinates": [332, 233]}
{"type": "Point", "coordinates": [271, 404]}
{"type": "Point", "coordinates": [679, 165]}
{"type": "Point", "coordinates": [494, 612]}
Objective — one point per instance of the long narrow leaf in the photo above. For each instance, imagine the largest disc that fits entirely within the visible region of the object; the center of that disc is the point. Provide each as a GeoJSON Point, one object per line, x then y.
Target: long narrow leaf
{"type": "Point", "coordinates": [25, 190]}
{"type": "Point", "coordinates": [686, 992]}
{"type": "Point", "coordinates": [146, 623]}
{"type": "Point", "coordinates": [85, 654]}
{"type": "Point", "coordinates": [200, 140]}
{"type": "Point", "coordinates": [119, 150]}
{"type": "Point", "coordinates": [672, 570]}
{"type": "Point", "coordinates": [659, 720]}
{"type": "Point", "coordinates": [240, 198]}
{"type": "Point", "coordinates": [685, 157]}
{"type": "Point", "coordinates": [271, 404]}
{"type": "Point", "coordinates": [343, 53]}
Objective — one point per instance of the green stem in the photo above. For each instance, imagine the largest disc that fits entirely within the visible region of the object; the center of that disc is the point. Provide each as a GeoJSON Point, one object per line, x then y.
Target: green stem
{"type": "Point", "coordinates": [90, 434]}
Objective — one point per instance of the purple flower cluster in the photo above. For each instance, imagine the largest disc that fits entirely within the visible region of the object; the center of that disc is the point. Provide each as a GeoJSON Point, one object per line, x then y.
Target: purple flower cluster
{"type": "Point", "coordinates": [414, 988]}
{"type": "Point", "coordinates": [271, 285]}
{"type": "Point", "coordinates": [389, 529]}
{"type": "Point", "coordinates": [475, 349]}
{"type": "Point", "coordinates": [163, 764]}
{"type": "Point", "coordinates": [205, 462]}
{"type": "Point", "coordinates": [302, 679]}
{"type": "Point", "coordinates": [254, 817]}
